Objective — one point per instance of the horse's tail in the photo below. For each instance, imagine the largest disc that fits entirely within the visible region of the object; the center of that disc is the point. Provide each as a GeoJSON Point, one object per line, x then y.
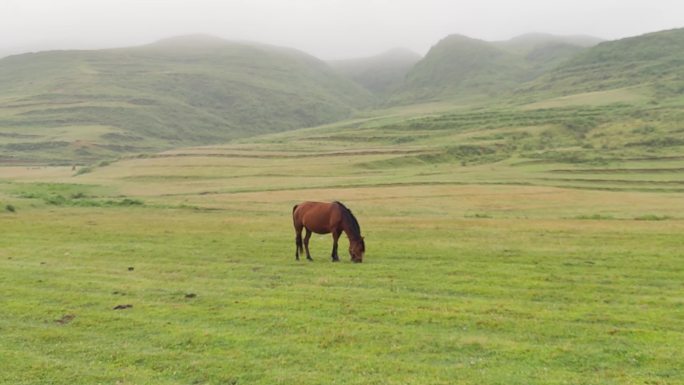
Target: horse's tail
{"type": "Point", "coordinates": [293, 211]}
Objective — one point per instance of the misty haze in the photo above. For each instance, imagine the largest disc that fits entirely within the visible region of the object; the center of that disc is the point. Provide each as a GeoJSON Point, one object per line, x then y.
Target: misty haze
{"type": "Point", "coordinates": [341, 192]}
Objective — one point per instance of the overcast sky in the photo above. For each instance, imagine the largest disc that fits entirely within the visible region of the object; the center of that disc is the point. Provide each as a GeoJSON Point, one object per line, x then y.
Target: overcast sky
{"type": "Point", "coordinates": [328, 29]}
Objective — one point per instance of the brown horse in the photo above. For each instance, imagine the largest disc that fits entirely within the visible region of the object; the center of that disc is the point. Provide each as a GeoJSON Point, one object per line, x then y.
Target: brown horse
{"type": "Point", "coordinates": [324, 218]}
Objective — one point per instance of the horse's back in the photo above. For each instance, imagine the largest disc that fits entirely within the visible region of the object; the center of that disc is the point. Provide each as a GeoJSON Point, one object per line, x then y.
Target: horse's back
{"type": "Point", "coordinates": [319, 217]}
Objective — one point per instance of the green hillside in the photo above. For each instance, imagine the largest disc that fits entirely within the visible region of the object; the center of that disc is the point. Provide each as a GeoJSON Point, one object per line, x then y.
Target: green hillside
{"type": "Point", "coordinates": [181, 91]}
{"type": "Point", "coordinates": [461, 66]}
{"type": "Point", "coordinates": [543, 52]}
{"type": "Point", "coordinates": [547, 56]}
{"type": "Point", "coordinates": [380, 74]}
{"type": "Point", "coordinates": [655, 59]}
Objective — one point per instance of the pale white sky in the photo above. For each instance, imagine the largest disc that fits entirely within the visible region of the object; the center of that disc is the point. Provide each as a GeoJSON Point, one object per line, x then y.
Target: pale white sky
{"type": "Point", "coordinates": [328, 29]}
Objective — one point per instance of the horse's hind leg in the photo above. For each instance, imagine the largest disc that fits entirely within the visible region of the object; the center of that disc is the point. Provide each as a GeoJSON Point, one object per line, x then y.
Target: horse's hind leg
{"type": "Point", "coordinates": [299, 249]}
{"type": "Point", "coordinates": [306, 244]}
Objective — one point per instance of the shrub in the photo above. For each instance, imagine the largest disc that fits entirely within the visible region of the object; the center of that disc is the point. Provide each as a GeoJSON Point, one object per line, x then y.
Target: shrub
{"type": "Point", "coordinates": [595, 217]}
{"type": "Point", "coordinates": [56, 200]}
{"type": "Point", "coordinates": [83, 170]}
{"type": "Point", "coordinates": [129, 202]}
{"type": "Point", "coordinates": [479, 216]}
{"type": "Point", "coordinates": [652, 217]}
{"type": "Point", "coordinates": [644, 130]}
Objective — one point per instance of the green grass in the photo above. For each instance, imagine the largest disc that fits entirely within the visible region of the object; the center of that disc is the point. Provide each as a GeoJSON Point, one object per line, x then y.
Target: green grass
{"type": "Point", "coordinates": [473, 274]}
{"type": "Point", "coordinates": [616, 146]}
{"type": "Point", "coordinates": [440, 299]}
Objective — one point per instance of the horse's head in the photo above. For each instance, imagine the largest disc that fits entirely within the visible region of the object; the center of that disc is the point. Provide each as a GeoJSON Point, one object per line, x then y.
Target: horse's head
{"type": "Point", "coordinates": [357, 248]}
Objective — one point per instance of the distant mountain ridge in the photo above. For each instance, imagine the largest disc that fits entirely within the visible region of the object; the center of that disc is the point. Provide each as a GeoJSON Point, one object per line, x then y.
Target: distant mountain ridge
{"type": "Point", "coordinates": [530, 41]}
{"type": "Point", "coordinates": [380, 74]}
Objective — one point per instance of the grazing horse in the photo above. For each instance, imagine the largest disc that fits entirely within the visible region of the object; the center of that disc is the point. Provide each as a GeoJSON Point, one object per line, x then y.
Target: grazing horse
{"type": "Point", "coordinates": [324, 218]}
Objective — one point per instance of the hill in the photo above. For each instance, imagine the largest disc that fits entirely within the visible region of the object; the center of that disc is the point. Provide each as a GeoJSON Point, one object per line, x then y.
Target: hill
{"type": "Point", "coordinates": [179, 91]}
{"type": "Point", "coordinates": [654, 59]}
{"type": "Point", "coordinates": [380, 74]}
{"type": "Point", "coordinates": [543, 52]}
{"type": "Point", "coordinates": [540, 66]}
{"type": "Point", "coordinates": [461, 66]}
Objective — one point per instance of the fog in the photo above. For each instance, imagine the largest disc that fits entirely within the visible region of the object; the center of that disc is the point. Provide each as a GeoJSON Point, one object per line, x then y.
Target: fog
{"type": "Point", "coordinates": [329, 29]}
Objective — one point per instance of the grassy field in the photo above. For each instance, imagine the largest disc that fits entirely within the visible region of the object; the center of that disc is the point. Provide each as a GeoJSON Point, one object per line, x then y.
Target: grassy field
{"type": "Point", "coordinates": [503, 267]}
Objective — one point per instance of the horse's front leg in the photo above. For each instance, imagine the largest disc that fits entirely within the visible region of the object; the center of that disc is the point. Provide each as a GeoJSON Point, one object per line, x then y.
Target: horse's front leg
{"type": "Point", "coordinates": [336, 235]}
{"type": "Point", "coordinates": [306, 244]}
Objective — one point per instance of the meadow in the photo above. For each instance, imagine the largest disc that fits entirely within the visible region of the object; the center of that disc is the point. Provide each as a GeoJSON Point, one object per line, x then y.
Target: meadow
{"type": "Point", "coordinates": [498, 261]}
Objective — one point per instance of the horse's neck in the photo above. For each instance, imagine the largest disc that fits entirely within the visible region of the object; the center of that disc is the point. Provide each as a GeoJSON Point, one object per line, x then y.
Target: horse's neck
{"type": "Point", "coordinates": [348, 229]}
{"type": "Point", "coordinates": [348, 224]}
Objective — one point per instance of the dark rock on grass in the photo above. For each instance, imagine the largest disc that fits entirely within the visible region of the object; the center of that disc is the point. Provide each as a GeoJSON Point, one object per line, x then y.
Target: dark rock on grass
{"type": "Point", "coordinates": [131, 268]}
{"type": "Point", "coordinates": [190, 295]}
{"type": "Point", "coordinates": [122, 307]}
{"type": "Point", "coordinates": [65, 319]}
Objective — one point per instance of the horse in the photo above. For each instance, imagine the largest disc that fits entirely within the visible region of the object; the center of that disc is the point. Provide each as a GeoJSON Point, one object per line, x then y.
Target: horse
{"type": "Point", "coordinates": [325, 218]}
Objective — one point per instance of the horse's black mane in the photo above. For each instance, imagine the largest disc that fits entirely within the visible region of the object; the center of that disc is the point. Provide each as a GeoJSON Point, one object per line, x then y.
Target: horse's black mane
{"type": "Point", "coordinates": [352, 219]}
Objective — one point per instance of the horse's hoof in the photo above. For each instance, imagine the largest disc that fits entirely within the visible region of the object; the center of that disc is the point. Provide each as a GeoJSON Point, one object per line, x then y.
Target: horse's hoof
{"type": "Point", "coordinates": [335, 260]}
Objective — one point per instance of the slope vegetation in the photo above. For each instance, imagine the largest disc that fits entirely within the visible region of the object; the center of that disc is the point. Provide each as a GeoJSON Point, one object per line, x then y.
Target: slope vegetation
{"type": "Point", "coordinates": [655, 59]}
